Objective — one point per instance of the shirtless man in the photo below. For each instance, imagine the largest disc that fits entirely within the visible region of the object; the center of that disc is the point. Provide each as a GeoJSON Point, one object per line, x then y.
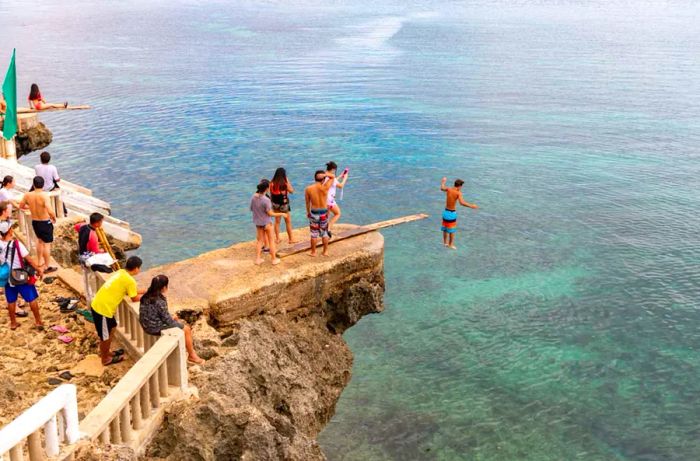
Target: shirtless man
{"type": "Point", "coordinates": [43, 219]}
{"type": "Point", "coordinates": [316, 202]}
{"type": "Point", "coordinates": [449, 216]}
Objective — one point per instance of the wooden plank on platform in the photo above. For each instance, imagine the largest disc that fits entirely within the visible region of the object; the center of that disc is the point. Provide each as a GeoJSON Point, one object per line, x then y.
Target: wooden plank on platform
{"type": "Point", "coordinates": [303, 246]}
{"type": "Point", "coordinates": [27, 110]}
{"type": "Point", "coordinates": [396, 221]}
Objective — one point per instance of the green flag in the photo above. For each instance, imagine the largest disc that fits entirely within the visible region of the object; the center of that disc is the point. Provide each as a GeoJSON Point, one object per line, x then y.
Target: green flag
{"type": "Point", "coordinates": [9, 89]}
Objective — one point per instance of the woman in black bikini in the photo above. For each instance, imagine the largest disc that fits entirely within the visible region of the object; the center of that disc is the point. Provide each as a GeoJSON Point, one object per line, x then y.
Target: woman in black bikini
{"type": "Point", "coordinates": [280, 188]}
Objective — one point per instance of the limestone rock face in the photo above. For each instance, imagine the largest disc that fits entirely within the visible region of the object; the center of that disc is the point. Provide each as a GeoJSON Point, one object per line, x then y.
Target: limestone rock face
{"type": "Point", "coordinates": [88, 451]}
{"type": "Point", "coordinates": [32, 139]}
{"type": "Point", "coordinates": [277, 375]}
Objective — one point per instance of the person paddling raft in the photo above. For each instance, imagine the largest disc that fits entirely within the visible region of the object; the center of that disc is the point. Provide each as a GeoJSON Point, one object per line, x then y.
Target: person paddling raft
{"type": "Point", "coordinates": [449, 216]}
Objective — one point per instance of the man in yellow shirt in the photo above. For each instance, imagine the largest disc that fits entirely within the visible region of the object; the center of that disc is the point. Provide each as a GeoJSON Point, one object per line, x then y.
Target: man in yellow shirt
{"type": "Point", "coordinates": [107, 300]}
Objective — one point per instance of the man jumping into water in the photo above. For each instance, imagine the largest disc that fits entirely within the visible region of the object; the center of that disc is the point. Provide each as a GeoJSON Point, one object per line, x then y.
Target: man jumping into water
{"type": "Point", "coordinates": [316, 209]}
{"type": "Point", "coordinates": [449, 216]}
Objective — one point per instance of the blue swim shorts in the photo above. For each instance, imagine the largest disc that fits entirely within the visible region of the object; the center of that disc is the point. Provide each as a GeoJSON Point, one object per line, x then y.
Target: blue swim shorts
{"type": "Point", "coordinates": [27, 292]}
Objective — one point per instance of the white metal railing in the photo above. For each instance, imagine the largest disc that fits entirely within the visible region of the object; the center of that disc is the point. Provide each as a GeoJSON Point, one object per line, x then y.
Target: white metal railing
{"type": "Point", "coordinates": [129, 414]}
{"type": "Point", "coordinates": [156, 378]}
{"type": "Point", "coordinates": [56, 415]}
{"type": "Point", "coordinates": [128, 325]}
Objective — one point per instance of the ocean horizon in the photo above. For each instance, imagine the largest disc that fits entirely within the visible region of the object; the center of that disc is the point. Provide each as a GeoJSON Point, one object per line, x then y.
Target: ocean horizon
{"type": "Point", "coordinates": [566, 326]}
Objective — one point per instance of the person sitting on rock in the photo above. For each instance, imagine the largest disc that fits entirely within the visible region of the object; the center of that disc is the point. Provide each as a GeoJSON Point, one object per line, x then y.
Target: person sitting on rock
{"type": "Point", "coordinates": [37, 101]}
{"type": "Point", "coordinates": [155, 317]}
{"type": "Point", "coordinates": [88, 243]}
{"type": "Point", "coordinates": [106, 301]}
{"type": "Point", "coordinates": [16, 255]}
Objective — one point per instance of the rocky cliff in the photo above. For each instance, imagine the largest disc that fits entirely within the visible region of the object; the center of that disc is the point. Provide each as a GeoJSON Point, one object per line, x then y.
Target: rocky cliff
{"type": "Point", "coordinates": [33, 135]}
{"type": "Point", "coordinates": [278, 360]}
{"type": "Point", "coordinates": [31, 139]}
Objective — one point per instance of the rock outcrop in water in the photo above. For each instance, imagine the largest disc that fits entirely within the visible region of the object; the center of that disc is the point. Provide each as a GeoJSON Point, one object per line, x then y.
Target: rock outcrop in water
{"type": "Point", "coordinates": [279, 368]}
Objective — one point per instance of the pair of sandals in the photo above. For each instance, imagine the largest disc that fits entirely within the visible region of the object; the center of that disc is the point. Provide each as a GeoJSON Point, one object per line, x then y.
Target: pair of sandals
{"type": "Point", "coordinates": [66, 305]}
{"type": "Point", "coordinates": [118, 356]}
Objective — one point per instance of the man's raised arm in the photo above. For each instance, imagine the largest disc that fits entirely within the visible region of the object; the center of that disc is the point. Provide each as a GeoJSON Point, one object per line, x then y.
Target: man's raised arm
{"type": "Point", "coordinates": [443, 186]}
{"type": "Point", "coordinates": [326, 186]}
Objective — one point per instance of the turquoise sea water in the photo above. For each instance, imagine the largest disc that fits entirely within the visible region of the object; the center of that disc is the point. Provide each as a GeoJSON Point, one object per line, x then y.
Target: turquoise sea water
{"type": "Point", "coordinates": [567, 324]}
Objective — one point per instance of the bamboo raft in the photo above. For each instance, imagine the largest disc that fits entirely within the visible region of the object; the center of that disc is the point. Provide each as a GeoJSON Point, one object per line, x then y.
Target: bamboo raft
{"type": "Point", "coordinates": [303, 246]}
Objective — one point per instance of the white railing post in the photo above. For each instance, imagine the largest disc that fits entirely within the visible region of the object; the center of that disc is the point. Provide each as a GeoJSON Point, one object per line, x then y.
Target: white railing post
{"type": "Point", "coordinates": [51, 437]}
{"type": "Point", "coordinates": [177, 361]}
{"type": "Point", "coordinates": [42, 416]}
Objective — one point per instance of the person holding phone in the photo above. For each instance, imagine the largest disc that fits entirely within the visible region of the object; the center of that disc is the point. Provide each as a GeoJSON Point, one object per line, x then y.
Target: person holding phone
{"type": "Point", "coordinates": [338, 183]}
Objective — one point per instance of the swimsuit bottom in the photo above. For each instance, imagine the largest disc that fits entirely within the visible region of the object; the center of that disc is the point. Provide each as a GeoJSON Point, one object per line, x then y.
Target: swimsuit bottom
{"type": "Point", "coordinates": [449, 221]}
{"type": "Point", "coordinates": [318, 223]}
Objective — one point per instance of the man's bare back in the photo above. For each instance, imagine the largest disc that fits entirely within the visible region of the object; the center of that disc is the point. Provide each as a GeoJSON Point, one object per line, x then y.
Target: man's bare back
{"type": "Point", "coordinates": [38, 203]}
{"type": "Point", "coordinates": [453, 195]}
{"type": "Point", "coordinates": [318, 195]}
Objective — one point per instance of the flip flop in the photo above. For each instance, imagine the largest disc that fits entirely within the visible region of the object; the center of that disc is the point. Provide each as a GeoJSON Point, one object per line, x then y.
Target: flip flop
{"type": "Point", "coordinates": [39, 327]}
{"type": "Point", "coordinates": [86, 314]}
{"type": "Point", "coordinates": [59, 329]}
{"type": "Point", "coordinates": [66, 375]}
{"type": "Point", "coordinates": [50, 269]}
{"type": "Point", "coordinates": [65, 339]}
{"type": "Point", "coordinates": [72, 306]}
{"type": "Point", "coordinates": [115, 359]}
{"type": "Point", "coordinates": [22, 314]}
{"type": "Point", "coordinates": [13, 328]}
{"type": "Point", "coordinates": [202, 362]}
{"type": "Point", "coordinates": [118, 352]}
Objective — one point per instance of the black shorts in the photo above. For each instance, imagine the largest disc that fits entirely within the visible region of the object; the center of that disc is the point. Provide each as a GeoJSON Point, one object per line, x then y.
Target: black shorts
{"type": "Point", "coordinates": [43, 230]}
{"type": "Point", "coordinates": [103, 325]}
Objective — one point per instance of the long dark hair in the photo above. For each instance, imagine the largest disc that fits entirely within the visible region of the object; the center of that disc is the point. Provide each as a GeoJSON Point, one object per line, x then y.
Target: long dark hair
{"type": "Point", "coordinates": [34, 92]}
{"type": "Point", "coordinates": [279, 180]}
{"type": "Point", "coordinates": [7, 180]}
{"type": "Point", "coordinates": [157, 284]}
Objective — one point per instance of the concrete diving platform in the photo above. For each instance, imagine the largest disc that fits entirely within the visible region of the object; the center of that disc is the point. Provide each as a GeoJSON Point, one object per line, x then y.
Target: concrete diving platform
{"type": "Point", "coordinates": [226, 285]}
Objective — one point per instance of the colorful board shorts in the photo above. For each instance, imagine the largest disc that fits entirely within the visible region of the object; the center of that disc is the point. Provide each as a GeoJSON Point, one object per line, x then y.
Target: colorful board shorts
{"type": "Point", "coordinates": [449, 221]}
{"type": "Point", "coordinates": [318, 223]}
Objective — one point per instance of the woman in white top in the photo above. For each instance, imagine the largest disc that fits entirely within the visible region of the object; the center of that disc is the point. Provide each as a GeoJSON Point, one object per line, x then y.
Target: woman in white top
{"type": "Point", "coordinates": [8, 182]}
{"type": "Point", "coordinates": [15, 254]}
{"type": "Point", "coordinates": [333, 207]}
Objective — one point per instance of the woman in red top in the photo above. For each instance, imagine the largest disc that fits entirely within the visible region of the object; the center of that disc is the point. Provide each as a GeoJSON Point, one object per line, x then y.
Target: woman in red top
{"type": "Point", "coordinates": [280, 188]}
{"type": "Point", "coordinates": [37, 102]}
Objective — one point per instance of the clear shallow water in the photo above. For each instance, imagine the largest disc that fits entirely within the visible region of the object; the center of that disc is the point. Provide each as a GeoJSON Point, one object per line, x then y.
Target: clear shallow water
{"type": "Point", "coordinates": [566, 326]}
